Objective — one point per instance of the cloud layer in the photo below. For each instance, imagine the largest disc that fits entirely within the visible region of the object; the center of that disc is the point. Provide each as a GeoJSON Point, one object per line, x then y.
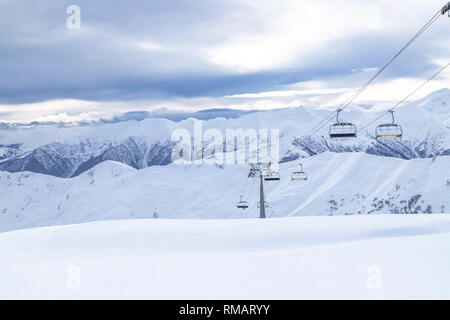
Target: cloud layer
{"type": "Point", "coordinates": [135, 55]}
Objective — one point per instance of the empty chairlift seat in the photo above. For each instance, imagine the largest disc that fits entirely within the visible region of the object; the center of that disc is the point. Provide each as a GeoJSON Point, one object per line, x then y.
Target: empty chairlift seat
{"type": "Point", "coordinates": [389, 130]}
{"type": "Point", "coordinates": [272, 176]}
{"type": "Point", "coordinates": [342, 129]}
{"type": "Point", "coordinates": [242, 204]}
{"type": "Point", "coordinates": [299, 175]}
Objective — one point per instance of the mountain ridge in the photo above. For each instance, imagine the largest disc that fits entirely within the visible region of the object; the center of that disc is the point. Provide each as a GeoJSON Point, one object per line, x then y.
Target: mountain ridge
{"type": "Point", "coordinates": [338, 184]}
{"type": "Point", "coordinates": [67, 152]}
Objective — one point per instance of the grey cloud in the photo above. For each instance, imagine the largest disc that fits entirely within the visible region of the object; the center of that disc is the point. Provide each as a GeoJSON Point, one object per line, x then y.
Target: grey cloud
{"type": "Point", "coordinates": [43, 60]}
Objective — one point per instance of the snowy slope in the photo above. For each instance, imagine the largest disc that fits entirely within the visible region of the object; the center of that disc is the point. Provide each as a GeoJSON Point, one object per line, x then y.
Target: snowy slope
{"type": "Point", "coordinates": [345, 257]}
{"type": "Point", "coordinates": [69, 151]}
{"type": "Point", "coordinates": [339, 184]}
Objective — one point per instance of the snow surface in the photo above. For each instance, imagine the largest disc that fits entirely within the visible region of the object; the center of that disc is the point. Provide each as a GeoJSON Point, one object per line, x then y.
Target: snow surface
{"type": "Point", "coordinates": [357, 257]}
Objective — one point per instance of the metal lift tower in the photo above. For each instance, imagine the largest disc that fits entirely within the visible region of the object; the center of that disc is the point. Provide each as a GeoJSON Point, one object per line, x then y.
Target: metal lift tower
{"type": "Point", "coordinates": [259, 169]}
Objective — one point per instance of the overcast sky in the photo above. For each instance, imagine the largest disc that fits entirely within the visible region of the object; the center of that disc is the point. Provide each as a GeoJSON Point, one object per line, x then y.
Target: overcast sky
{"type": "Point", "coordinates": [197, 54]}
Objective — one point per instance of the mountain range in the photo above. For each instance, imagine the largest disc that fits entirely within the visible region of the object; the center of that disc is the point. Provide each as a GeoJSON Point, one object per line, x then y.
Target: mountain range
{"type": "Point", "coordinates": [61, 175]}
{"type": "Point", "coordinates": [69, 151]}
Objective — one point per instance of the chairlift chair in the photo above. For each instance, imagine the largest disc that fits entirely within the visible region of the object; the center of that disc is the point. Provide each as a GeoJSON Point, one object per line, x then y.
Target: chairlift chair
{"type": "Point", "coordinates": [299, 175]}
{"type": "Point", "coordinates": [342, 129]}
{"type": "Point", "coordinates": [389, 130]}
{"type": "Point", "coordinates": [242, 204]}
{"type": "Point", "coordinates": [272, 176]}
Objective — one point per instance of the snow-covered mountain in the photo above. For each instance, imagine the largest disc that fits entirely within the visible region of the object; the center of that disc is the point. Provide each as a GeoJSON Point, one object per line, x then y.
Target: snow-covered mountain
{"type": "Point", "coordinates": [338, 184]}
{"type": "Point", "coordinates": [70, 151]}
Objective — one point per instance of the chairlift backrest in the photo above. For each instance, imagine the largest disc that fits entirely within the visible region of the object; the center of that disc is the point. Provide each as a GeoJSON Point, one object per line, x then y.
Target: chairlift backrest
{"type": "Point", "coordinates": [389, 130]}
{"type": "Point", "coordinates": [342, 129]}
{"type": "Point", "coordinates": [272, 176]}
{"type": "Point", "coordinates": [242, 204]}
{"type": "Point", "coordinates": [299, 175]}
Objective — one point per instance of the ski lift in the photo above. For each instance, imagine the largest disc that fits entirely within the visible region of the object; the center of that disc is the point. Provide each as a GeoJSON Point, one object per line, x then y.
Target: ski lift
{"type": "Point", "coordinates": [272, 176]}
{"type": "Point", "coordinates": [342, 129]}
{"type": "Point", "coordinates": [242, 204]}
{"type": "Point", "coordinates": [389, 130]}
{"type": "Point", "coordinates": [299, 175]}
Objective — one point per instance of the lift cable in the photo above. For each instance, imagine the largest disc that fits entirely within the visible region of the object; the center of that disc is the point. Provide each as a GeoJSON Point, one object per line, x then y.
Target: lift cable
{"type": "Point", "coordinates": [407, 97]}
{"type": "Point", "coordinates": [412, 55]}
{"type": "Point", "coordinates": [361, 89]}
{"type": "Point", "coordinates": [365, 85]}
{"type": "Point", "coordinates": [326, 120]}
{"type": "Point", "coordinates": [384, 113]}
{"type": "Point", "coordinates": [387, 34]}
{"type": "Point", "coordinates": [320, 125]}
